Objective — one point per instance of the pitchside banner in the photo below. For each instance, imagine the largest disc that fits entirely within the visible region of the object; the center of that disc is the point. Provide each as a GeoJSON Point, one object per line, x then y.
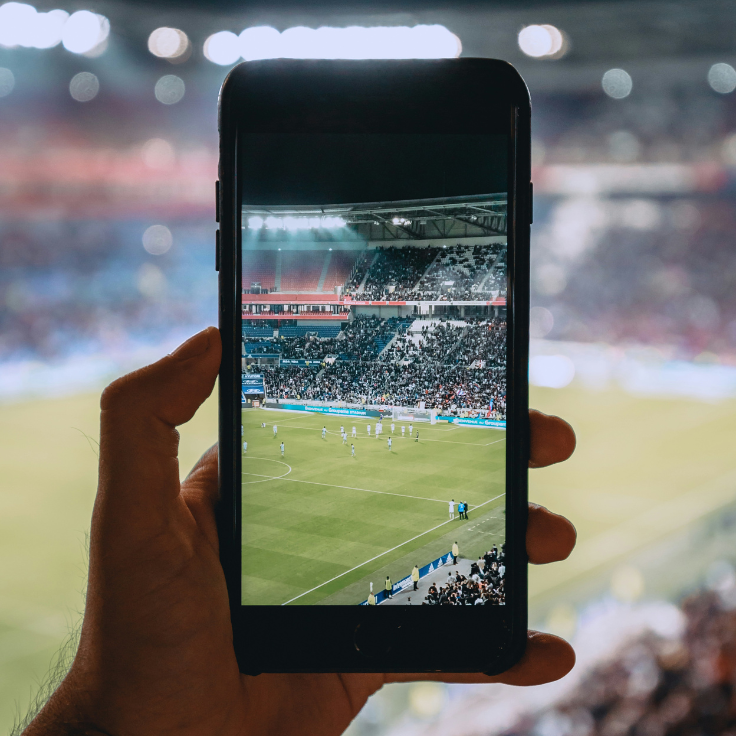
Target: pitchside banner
{"type": "Point", "coordinates": [478, 422]}
{"type": "Point", "coordinates": [406, 582]}
{"type": "Point", "coordinates": [252, 385]}
{"type": "Point", "coordinates": [340, 411]}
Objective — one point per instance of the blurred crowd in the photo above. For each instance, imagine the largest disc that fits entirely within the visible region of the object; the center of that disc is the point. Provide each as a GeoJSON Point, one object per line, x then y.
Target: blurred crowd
{"type": "Point", "coordinates": [656, 687]}
{"type": "Point", "coordinates": [485, 586]}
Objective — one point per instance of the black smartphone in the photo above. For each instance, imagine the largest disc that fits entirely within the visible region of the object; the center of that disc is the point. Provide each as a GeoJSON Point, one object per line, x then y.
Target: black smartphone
{"type": "Point", "coordinates": [373, 256]}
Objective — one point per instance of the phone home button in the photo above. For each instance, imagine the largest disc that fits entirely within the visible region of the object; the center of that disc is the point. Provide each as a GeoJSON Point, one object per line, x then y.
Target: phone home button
{"type": "Point", "coordinates": [375, 640]}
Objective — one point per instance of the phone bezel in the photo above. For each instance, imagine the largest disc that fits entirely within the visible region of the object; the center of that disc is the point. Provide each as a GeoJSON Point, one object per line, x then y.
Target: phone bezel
{"type": "Point", "coordinates": [290, 95]}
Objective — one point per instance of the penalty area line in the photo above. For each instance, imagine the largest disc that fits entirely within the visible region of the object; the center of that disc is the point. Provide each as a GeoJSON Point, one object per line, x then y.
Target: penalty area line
{"type": "Point", "coordinates": [337, 577]}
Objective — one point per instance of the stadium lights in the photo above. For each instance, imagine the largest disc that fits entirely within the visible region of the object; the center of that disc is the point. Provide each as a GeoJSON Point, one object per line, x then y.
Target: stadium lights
{"type": "Point", "coordinates": [722, 78]}
{"type": "Point", "coordinates": [292, 223]}
{"type": "Point", "coordinates": [168, 43]}
{"type": "Point", "coordinates": [617, 83]}
{"type": "Point", "coordinates": [21, 25]}
{"type": "Point", "coordinates": [542, 42]}
{"type": "Point", "coordinates": [354, 42]}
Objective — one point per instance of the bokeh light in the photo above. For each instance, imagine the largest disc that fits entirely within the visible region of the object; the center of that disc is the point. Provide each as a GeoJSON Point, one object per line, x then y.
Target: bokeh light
{"type": "Point", "coordinates": [722, 78]}
{"type": "Point", "coordinates": [551, 371]}
{"type": "Point", "coordinates": [354, 42]}
{"type": "Point", "coordinates": [222, 48]}
{"type": "Point", "coordinates": [168, 43]}
{"type": "Point", "coordinates": [158, 153]}
{"type": "Point", "coordinates": [7, 81]}
{"type": "Point", "coordinates": [21, 25]}
{"type": "Point", "coordinates": [84, 31]}
{"type": "Point", "coordinates": [617, 83]}
{"type": "Point", "coordinates": [157, 239]}
{"type": "Point", "coordinates": [542, 41]}
{"type": "Point", "coordinates": [84, 86]}
{"type": "Point", "coordinates": [169, 89]}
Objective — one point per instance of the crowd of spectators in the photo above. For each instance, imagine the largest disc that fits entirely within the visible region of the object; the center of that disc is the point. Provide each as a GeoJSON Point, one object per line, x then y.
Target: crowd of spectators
{"type": "Point", "coordinates": [411, 273]}
{"type": "Point", "coordinates": [288, 383]}
{"type": "Point", "coordinates": [395, 271]}
{"type": "Point", "coordinates": [461, 272]}
{"type": "Point", "coordinates": [452, 367]}
{"type": "Point", "coordinates": [485, 586]}
{"type": "Point", "coordinates": [656, 686]}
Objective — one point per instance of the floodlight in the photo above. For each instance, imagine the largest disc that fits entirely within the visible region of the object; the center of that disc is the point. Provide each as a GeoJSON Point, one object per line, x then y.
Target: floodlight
{"type": "Point", "coordinates": [255, 222]}
{"type": "Point", "coordinates": [222, 48]}
{"type": "Point", "coordinates": [617, 83]}
{"type": "Point", "coordinates": [84, 31]}
{"type": "Point", "coordinates": [273, 223]}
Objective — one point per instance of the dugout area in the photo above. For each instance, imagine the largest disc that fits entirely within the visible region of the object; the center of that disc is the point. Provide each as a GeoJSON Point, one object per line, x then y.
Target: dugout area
{"type": "Point", "coordinates": [319, 525]}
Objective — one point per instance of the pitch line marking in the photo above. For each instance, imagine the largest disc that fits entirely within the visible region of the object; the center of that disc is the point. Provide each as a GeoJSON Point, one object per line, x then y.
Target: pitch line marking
{"type": "Point", "coordinates": [267, 477]}
{"type": "Point", "coordinates": [316, 587]}
{"type": "Point", "coordinates": [364, 490]}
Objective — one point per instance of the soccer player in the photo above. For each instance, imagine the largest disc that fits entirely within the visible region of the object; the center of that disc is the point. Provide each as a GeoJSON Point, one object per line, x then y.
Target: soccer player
{"type": "Point", "coordinates": [368, 427]}
{"type": "Point", "coordinates": [393, 427]}
{"type": "Point", "coordinates": [403, 430]}
{"type": "Point", "coordinates": [324, 432]}
{"type": "Point", "coordinates": [245, 447]}
{"type": "Point", "coordinates": [282, 449]}
{"type": "Point", "coordinates": [275, 429]}
{"type": "Point", "coordinates": [342, 430]}
{"type": "Point", "coordinates": [452, 509]}
{"type": "Point", "coordinates": [411, 429]}
{"type": "Point", "coordinates": [355, 432]}
{"type": "Point", "coordinates": [352, 449]}
{"type": "Point", "coordinates": [416, 439]}
{"type": "Point", "coordinates": [344, 438]}
{"type": "Point", "coordinates": [263, 425]}
{"type": "Point", "coordinates": [389, 443]}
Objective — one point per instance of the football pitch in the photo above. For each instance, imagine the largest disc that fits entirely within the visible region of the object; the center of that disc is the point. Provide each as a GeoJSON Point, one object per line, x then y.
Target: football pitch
{"type": "Point", "coordinates": [319, 524]}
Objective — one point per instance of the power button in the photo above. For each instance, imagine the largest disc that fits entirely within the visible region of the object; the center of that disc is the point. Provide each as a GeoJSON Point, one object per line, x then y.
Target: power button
{"type": "Point", "coordinates": [217, 250]}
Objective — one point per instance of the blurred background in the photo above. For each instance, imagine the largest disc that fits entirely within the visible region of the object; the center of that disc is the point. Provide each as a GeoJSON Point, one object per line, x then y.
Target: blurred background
{"type": "Point", "coordinates": [108, 157]}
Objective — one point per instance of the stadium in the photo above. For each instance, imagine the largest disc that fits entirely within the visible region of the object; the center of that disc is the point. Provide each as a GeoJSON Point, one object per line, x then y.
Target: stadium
{"type": "Point", "coordinates": [374, 415]}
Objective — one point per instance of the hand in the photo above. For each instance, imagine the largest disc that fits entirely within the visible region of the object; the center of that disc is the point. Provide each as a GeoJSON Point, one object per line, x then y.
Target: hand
{"type": "Point", "coordinates": [156, 654]}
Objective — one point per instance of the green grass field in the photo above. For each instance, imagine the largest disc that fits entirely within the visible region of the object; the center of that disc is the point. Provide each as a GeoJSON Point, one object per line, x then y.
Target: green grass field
{"type": "Point", "coordinates": [319, 524]}
{"type": "Point", "coordinates": [644, 467]}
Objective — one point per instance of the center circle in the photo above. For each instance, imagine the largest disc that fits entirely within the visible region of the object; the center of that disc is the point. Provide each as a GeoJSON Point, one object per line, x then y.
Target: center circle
{"type": "Point", "coordinates": [265, 480]}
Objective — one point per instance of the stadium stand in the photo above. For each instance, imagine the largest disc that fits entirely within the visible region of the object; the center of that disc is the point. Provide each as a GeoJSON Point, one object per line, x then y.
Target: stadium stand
{"type": "Point", "coordinates": [484, 586]}
{"type": "Point", "coordinates": [301, 270]}
{"type": "Point", "coordinates": [460, 272]}
{"type": "Point", "coordinates": [301, 330]}
{"type": "Point", "coordinates": [396, 270]}
{"type": "Point", "coordinates": [339, 269]}
{"type": "Point", "coordinates": [655, 684]}
{"type": "Point", "coordinates": [259, 267]}
{"type": "Point", "coordinates": [256, 331]}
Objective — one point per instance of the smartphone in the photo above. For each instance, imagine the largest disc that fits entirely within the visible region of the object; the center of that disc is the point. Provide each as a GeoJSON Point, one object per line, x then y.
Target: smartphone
{"type": "Point", "coordinates": [373, 257]}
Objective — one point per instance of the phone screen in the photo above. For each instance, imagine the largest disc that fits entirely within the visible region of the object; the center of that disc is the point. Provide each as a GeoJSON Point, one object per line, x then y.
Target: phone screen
{"type": "Point", "coordinates": [374, 353]}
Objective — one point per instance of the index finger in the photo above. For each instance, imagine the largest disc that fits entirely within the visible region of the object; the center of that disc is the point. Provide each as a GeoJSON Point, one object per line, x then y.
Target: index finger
{"type": "Point", "coordinates": [551, 439]}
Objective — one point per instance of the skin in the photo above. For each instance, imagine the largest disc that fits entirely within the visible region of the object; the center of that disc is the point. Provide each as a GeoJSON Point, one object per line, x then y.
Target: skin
{"type": "Point", "coordinates": [155, 654]}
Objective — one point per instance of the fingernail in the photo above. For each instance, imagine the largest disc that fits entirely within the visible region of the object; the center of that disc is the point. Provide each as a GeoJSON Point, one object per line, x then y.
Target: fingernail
{"type": "Point", "coordinates": [196, 345]}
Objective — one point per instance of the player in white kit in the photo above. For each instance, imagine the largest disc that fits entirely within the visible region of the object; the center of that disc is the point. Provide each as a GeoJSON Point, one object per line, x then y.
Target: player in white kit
{"type": "Point", "coordinates": [368, 427]}
{"type": "Point", "coordinates": [282, 449]}
{"type": "Point", "coordinates": [352, 450]}
{"type": "Point", "coordinates": [275, 429]}
{"type": "Point", "coordinates": [403, 430]}
{"type": "Point", "coordinates": [245, 447]}
{"type": "Point", "coordinates": [393, 427]}
{"type": "Point", "coordinates": [355, 432]}
{"type": "Point", "coordinates": [389, 443]}
{"type": "Point", "coordinates": [324, 432]}
{"type": "Point", "coordinates": [411, 429]}
{"type": "Point", "coordinates": [344, 438]}
{"type": "Point", "coordinates": [342, 430]}
{"type": "Point", "coordinates": [452, 509]}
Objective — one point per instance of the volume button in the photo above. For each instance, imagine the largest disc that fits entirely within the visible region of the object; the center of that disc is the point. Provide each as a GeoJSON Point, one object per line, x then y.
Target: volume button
{"type": "Point", "coordinates": [217, 201]}
{"type": "Point", "coordinates": [217, 250]}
